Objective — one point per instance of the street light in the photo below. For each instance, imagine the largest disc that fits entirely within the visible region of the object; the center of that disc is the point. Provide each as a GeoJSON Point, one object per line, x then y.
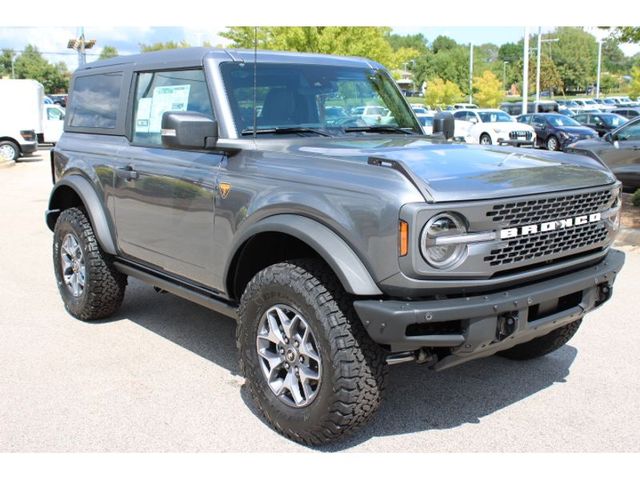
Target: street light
{"type": "Point", "coordinates": [471, 73]}
{"type": "Point", "coordinates": [80, 45]}
{"type": "Point", "coordinates": [599, 67]}
{"type": "Point", "coordinates": [539, 55]}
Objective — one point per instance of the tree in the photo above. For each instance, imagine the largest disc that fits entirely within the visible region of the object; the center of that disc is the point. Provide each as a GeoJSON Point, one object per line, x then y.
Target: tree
{"type": "Point", "coordinates": [489, 91]}
{"type": "Point", "coordinates": [442, 92]}
{"type": "Point", "coordinates": [626, 34]}
{"type": "Point", "coordinates": [108, 52]}
{"type": "Point", "coordinates": [170, 45]}
{"type": "Point", "coordinates": [634, 87]}
{"type": "Point", "coordinates": [511, 52]}
{"type": "Point", "coordinates": [416, 42]}
{"type": "Point", "coordinates": [5, 61]}
{"type": "Point", "coordinates": [613, 58]}
{"type": "Point", "coordinates": [575, 55]}
{"type": "Point", "coordinates": [370, 42]}
{"type": "Point", "coordinates": [443, 43]}
{"type": "Point", "coordinates": [31, 64]}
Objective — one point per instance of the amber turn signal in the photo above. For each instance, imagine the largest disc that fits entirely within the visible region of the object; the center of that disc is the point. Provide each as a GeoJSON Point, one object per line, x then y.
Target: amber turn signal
{"type": "Point", "coordinates": [403, 238]}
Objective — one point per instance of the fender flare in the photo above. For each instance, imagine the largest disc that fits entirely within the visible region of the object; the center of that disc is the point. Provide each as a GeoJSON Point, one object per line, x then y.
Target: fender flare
{"type": "Point", "coordinates": [348, 267]}
{"type": "Point", "coordinates": [97, 216]}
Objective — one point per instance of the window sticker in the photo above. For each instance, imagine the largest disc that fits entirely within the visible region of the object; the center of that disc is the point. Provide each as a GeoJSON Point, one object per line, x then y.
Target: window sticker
{"type": "Point", "coordinates": [165, 99]}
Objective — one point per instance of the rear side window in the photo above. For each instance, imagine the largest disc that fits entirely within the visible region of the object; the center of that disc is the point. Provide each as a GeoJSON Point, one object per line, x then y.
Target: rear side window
{"type": "Point", "coordinates": [159, 92]}
{"type": "Point", "coordinates": [94, 101]}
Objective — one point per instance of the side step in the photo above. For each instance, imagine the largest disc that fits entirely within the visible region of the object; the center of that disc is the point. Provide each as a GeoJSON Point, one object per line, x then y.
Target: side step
{"type": "Point", "coordinates": [196, 295]}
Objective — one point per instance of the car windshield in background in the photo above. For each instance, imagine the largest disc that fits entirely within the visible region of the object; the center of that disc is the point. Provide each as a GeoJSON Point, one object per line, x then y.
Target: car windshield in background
{"type": "Point", "coordinates": [562, 121]}
{"type": "Point", "coordinates": [494, 117]}
{"type": "Point", "coordinates": [426, 121]}
{"type": "Point", "coordinates": [314, 99]}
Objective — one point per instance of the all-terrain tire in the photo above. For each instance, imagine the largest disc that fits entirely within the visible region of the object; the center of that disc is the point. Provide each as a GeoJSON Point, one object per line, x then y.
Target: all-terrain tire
{"type": "Point", "coordinates": [353, 366]}
{"type": "Point", "coordinates": [542, 345]}
{"type": "Point", "coordinates": [104, 286]}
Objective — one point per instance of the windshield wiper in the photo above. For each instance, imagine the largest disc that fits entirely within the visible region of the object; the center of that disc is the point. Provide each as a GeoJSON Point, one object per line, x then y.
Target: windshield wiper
{"type": "Point", "coordinates": [284, 130]}
{"type": "Point", "coordinates": [380, 128]}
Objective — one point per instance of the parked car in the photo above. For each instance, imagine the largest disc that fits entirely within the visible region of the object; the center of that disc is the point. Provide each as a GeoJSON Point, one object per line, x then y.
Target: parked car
{"type": "Point", "coordinates": [567, 104]}
{"type": "Point", "coordinates": [585, 104]}
{"type": "Point", "coordinates": [426, 122]}
{"type": "Point", "coordinates": [52, 124]}
{"type": "Point", "coordinates": [555, 131]}
{"type": "Point", "coordinates": [492, 126]}
{"type": "Point", "coordinates": [619, 150]}
{"type": "Point", "coordinates": [627, 112]}
{"type": "Point", "coordinates": [59, 99]}
{"type": "Point", "coordinates": [566, 111]}
{"type": "Point", "coordinates": [372, 114]}
{"type": "Point", "coordinates": [601, 122]}
{"type": "Point", "coordinates": [338, 251]}
{"type": "Point", "coordinates": [544, 106]}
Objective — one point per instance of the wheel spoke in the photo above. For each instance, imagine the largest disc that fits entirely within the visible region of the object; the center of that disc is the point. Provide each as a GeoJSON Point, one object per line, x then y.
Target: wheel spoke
{"type": "Point", "coordinates": [75, 285]}
{"type": "Point", "coordinates": [307, 349]}
{"type": "Point", "coordinates": [274, 361]}
{"type": "Point", "coordinates": [284, 321]}
{"type": "Point", "coordinates": [292, 384]}
{"type": "Point", "coordinates": [274, 334]}
{"type": "Point", "coordinates": [307, 374]}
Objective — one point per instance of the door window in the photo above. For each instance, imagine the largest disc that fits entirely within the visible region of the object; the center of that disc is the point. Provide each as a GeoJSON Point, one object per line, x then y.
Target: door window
{"type": "Point", "coordinates": [630, 132]}
{"type": "Point", "coordinates": [167, 91]}
{"type": "Point", "coordinates": [55, 114]}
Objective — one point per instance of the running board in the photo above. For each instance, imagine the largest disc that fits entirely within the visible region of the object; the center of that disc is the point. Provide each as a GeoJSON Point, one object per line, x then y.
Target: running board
{"type": "Point", "coordinates": [181, 290]}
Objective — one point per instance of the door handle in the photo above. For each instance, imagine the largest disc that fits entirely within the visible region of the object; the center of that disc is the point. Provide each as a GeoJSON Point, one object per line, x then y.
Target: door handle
{"type": "Point", "coordinates": [127, 173]}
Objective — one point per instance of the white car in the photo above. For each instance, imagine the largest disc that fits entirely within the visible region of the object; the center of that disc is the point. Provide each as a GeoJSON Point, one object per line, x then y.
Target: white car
{"type": "Point", "coordinates": [371, 115]}
{"type": "Point", "coordinates": [465, 106]}
{"type": "Point", "coordinates": [492, 127]}
{"type": "Point", "coordinates": [586, 104]}
{"type": "Point", "coordinates": [426, 122]}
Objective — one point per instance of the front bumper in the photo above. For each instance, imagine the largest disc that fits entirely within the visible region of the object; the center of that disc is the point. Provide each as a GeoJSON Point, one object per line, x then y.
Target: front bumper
{"type": "Point", "coordinates": [521, 142]}
{"type": "Point", "coordinates": [28, 147]}
{"type": "Point", "coordinates": [474, 326]}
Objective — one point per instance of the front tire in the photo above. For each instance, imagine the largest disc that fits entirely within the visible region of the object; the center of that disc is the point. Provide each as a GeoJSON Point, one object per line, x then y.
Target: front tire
{"type": "Point", "coordinates": [544, 345]}
{"type": "Point", "coordinates": [553, 144]}
{"type": "Point", "coordinates": [344, 371]}
{"type": "Point", "coordinates": [485, 139]}
{"type": "Point", "coordinates": [90, 287]}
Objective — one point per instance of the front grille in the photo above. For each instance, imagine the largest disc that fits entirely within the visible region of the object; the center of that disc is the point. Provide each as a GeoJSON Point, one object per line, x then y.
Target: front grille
{"type": "Point", "coordinates": [547, 209]}
{"type": "Point", "coordinates": [514, 135]}
{"type": "Point", "coordinates": [542, 245]}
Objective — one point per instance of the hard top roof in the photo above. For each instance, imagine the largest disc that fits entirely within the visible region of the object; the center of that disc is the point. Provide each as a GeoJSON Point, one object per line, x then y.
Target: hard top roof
{"type": "Point", "coordinates": [195, 56]}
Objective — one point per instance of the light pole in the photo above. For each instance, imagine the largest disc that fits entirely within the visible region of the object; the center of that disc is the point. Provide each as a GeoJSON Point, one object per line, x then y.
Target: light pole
{"type": "Point", "coordinates": [471, 73]}
{"type": "Point", "coordinates": [599, 67]}
{"type": "Point", "coordinates": [539, 55]}
{"type": "Point", "coordinates": [81, 45]}
{"type": "Point", "coordinates": [525, 72]}
{"type": "Point", "coordinates": [504, 75]}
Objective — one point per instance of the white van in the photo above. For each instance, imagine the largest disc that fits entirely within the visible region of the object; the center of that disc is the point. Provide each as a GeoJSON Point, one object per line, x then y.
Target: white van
{"type": "Point", "coordinates": [21, 121]}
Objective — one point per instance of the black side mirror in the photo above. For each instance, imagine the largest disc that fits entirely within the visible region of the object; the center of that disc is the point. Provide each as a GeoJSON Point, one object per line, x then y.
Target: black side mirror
{"type": "Point", "coordinates": [443, 122]}
{"type": "Point", "coordinates": [188, 130]}
{"type": "Point", "coordinates": [608, 138]}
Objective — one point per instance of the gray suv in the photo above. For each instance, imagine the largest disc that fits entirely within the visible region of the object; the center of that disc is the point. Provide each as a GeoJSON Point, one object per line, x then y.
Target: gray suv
{"type": "Point", "coordinates": [340, 245]}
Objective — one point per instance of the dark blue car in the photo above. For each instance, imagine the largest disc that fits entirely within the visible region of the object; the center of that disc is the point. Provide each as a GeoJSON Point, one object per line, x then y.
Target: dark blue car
{"type": "Point", "coordinates": [555, 131]}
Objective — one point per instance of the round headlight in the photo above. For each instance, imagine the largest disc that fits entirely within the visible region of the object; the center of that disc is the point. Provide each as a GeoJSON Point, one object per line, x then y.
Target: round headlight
{"type": "Point", "coordinates": [439, 253]}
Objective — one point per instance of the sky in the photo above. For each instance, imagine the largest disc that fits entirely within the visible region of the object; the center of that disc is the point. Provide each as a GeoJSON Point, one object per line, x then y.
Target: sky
{"type": "Point", "coordinates": [52, 41]}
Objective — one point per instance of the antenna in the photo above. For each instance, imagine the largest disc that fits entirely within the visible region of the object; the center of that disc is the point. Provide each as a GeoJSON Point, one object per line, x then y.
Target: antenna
{"type": "Point", "coordinates": [255, 81]}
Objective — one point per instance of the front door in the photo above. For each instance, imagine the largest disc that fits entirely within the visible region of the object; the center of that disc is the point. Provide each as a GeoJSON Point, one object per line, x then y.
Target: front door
{"type": "Point", "coordinates": [164, 207]}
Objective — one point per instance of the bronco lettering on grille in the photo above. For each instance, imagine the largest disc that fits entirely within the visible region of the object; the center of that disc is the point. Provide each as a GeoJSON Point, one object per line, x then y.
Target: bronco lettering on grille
{"type": "Point", "coordinates": [549, 226]}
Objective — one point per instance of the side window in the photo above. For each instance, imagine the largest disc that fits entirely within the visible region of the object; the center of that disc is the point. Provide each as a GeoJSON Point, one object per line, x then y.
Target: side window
{"type": "Point", "coordinates": [538, 120]}
{"type": "Point", "coordinates": [94, 101]}
{"type": "Point", "coordinates": [630, 132]}
{"type": "Point", "coordinates": [54, 114]}
{"type": "Point", "coordinates": [165, 91]}
{"type": "Point", "coordinates": [460, 115]}
{"type": "Point", "coordinates": [580, 118]}
{"type": "Point", "coordinates": [525, 119]}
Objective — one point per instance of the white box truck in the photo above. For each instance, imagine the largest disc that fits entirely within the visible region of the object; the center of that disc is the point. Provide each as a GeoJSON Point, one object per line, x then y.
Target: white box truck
{"type": "Point", "coordinates": [22, 107]}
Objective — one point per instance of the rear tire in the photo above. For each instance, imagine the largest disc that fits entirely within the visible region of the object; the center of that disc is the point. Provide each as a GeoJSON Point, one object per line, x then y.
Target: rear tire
{"type": "Point", "coordinates": [90, 287]}
{"type": "Point", "coordinates": [541, 346]}
{"type": "Point", "coordinates": [350, 369]}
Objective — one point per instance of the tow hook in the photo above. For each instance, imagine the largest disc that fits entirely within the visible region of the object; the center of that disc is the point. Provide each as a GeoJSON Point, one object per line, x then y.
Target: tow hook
{"type": "Point", "coordinates": [506, 326]}
{"type": "Point", "coordinates": [420, 356]}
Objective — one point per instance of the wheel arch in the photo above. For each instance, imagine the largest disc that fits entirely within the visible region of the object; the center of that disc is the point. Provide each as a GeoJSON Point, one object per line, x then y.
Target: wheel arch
{"type": "Point", "coordinates": [76, 191]}
{"type": "Point", "coordinates": [284, 236]}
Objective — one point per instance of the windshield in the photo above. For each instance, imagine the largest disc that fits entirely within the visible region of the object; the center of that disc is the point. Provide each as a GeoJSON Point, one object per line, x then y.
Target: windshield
{"type": "Point", "coordinates": [562, 121]}
{"type": "Point", "coordinates": [426, 121]}
{"type": "Point", "coordinates": [590, 102]}
{"type": "Point", "coordinates": [327, 98]}
{"type": "Point", "coordinates": [494, 117]}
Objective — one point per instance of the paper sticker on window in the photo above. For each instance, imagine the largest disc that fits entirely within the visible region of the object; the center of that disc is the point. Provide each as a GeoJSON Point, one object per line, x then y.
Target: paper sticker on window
{"type": "Point", "coordinates": [165, 99]}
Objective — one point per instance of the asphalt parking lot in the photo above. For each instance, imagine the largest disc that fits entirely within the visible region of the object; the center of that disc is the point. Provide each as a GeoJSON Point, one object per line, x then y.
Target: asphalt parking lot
{"type": "Point", "coordinates": [162, 375]}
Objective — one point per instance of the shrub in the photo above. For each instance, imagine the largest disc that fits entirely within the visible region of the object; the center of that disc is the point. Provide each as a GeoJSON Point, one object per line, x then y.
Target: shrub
{"type": "Point", "coordinates": [636, 198]}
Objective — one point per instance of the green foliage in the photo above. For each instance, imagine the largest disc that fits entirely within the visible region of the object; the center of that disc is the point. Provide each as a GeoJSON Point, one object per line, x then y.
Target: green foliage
{"type": "Point", "coordinates": [575, 55]}
{"type": "Point", "coordinates": [634, 88]}
{"type": "Point", "coordinates": [170, 45]}
{"type": "Point", "coordinates": [627, 34]}
{"type": "Point", "coordinates": [511, 52]}
{"type": "Point", "coordinates": [370, 42]}
{"type": "Point", "coordinates": [5, 61]}
{"type": "Point", "coordinates": [108, 52]}
{"type": "Point", "coordinates": [636, 198]}
{"type": "Point", "coordinates": [613, 58]}
{"type": "Point", "coordinates": [610, 83]}
{"type": "Point", "coordinates": [416, 42]}
{"type": "Point", "coordinates": [31, 64]}
{"type": "Point", "coordinates": [442, 92]}
{"type": "Point", "coordinates": [443, 43]}
{"type": "Point", "coordinates": [488, 89]}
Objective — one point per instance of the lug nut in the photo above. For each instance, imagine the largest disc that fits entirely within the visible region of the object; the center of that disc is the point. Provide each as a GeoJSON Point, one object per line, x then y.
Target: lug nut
{"type": "Point", "coordinates": [301, 358]}
{"type": "Point", "coordinates": [296, 344]}
{"type": "Point", "coordinates": [286, 340]}
{"type": "Point", "coordinates": [286, 366]}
